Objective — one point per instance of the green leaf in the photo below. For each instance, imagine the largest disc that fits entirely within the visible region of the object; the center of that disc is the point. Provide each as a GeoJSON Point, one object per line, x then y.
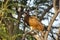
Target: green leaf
{"type": "Point", "coordinates": [11, 11]}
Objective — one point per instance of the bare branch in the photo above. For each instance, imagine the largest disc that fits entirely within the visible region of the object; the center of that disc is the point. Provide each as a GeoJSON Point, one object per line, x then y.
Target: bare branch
{"type": "Point", "coordinates": [43, 14]}
{"type": "Point", "coordinates": [52, 20]}
{"type": "Point", "coordinates": [50, 25]}
{"type": "Point", "coordinates": [24, 35]}
{"type": "Point", "coordinates": [58, 35]}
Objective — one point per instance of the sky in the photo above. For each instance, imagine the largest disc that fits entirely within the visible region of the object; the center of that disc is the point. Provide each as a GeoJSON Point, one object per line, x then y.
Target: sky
{"type": "Point", "coordinates": [56, 23]}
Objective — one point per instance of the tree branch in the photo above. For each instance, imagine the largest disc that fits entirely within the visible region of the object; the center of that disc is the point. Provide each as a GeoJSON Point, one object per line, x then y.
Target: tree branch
{"type": "Point", "coordinates": [43, 14]}
{"type": "Point", "coordinates": [50, 25]}
{"type": "Point", "coordinates": [52, 20]}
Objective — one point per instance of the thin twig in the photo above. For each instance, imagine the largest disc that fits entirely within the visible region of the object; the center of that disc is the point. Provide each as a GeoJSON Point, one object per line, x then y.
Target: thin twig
{"type": "Point", "coordinates": [43, 14]}
{"type": "Point", "coordinates": [50, 25]}
{"type": "Point", "coordinates": [24, 35]}
{"type": "Point", "coordinates": [52, 20]}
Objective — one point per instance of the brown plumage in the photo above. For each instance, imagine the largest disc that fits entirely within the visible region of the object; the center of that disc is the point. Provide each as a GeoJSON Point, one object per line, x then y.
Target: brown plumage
{"type": "Point", "coordinates": [33, 22]}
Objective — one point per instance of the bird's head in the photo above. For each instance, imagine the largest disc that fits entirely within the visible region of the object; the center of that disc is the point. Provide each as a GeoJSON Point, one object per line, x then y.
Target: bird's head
{"type": "Point", "coordinates": [26, 13]}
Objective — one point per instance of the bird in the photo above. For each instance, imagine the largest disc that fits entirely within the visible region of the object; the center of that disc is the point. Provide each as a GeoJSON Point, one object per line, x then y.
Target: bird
{"type": "Point", "coordinates": [33, 22]}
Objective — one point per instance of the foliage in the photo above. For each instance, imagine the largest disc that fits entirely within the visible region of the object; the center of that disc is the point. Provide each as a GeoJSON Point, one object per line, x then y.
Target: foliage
{"type": "Point", "coordinates": [9, 25]}
{"type": "Point", "coordinates": [5, 10]}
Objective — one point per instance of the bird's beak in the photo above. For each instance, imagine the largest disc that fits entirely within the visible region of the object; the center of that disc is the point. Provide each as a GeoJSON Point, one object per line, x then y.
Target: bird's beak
{"type": "Point", "coordinates": [24, 15]}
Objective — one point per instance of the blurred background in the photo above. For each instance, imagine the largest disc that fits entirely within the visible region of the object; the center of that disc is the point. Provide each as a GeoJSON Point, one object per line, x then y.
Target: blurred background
{"type": "Point", "coordinates": [13, 27]}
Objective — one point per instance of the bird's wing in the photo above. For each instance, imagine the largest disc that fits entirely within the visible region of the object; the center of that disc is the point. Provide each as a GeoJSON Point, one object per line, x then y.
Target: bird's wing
{"type": "Point", "coordinates": [33, 21]}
